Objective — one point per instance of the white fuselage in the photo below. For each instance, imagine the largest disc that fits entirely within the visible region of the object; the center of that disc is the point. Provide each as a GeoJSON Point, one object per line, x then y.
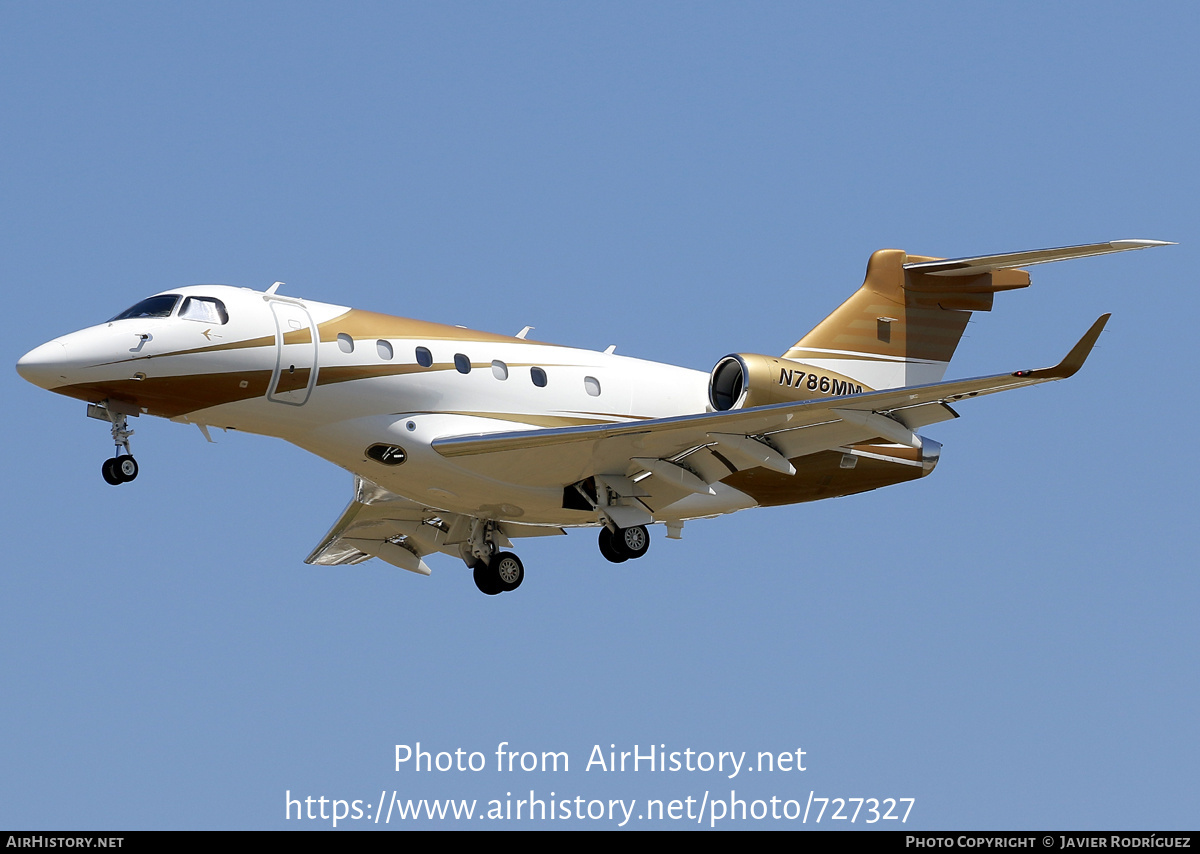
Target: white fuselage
{"type": "Point", "coordinates": [336, 382]}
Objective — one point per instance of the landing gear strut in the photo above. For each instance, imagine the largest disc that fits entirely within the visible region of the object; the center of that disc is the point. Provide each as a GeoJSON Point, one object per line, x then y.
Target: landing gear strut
{"type": "Point", "coordinates": [624, 543]}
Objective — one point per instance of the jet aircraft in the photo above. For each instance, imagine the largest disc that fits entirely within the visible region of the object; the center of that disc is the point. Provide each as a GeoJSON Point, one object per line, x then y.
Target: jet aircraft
{"type": "Point", "coordinates": [462, 441]}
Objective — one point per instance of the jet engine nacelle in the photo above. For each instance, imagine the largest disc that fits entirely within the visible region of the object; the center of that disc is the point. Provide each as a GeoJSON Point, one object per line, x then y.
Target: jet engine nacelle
{"type": "Point", "coordinates": [743, 380]}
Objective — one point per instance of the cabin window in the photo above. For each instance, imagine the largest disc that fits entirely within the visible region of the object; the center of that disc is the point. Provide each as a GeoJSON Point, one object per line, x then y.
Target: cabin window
{"type": "Point", "coordinates": [462, 364]}
{"type": "Point", "coordinates": [159, 306]}
{"type": "Point", "coordinates": [204, 309]}
{"type": "Point", "coordinates": [499, 370]}
{"type": "Point", "coordinates": [424, 357]}
{"type": "Point", "coordinates": [384, 349]}
{"type": "Point", "coordinates": [592, 385]}
{"type": "Point", "coordinates": [539, 377]}
{"type": "Point", "coordinates": [345, 343]}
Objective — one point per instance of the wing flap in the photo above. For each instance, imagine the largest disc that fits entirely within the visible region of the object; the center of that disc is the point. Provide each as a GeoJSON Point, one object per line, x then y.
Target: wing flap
{"type": "Point", "coordinates": [377, 524]}
{"type": "Point", "coordinates": [389, 552]}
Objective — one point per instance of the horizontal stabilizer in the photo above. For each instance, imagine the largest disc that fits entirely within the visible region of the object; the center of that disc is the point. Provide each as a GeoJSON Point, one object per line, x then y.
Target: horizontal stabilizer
{"type": "Point", "coordinates": [987, 263]}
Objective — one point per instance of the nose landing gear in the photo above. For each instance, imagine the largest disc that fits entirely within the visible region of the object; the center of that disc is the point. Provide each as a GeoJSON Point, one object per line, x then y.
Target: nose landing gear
{"type": "Point", "coordinates": [121, 468]}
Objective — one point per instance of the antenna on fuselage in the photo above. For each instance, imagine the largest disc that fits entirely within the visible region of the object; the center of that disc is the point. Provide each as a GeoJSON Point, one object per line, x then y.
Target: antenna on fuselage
{"type": "Point", "coordinates": [275, 287]}
{"type": "Point", "coordinates": [524, 331]}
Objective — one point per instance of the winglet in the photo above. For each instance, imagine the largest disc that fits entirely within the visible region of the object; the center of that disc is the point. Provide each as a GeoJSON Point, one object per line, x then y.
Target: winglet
{"type": "Point", "coordinates": [1074, 360]}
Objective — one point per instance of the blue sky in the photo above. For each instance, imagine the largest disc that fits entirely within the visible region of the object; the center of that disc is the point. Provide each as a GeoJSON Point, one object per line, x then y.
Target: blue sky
{"type": "Point", "coordinates": [1011, 641]}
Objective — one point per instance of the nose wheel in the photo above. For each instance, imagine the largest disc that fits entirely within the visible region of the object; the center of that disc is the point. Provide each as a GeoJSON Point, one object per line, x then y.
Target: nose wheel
{"type": "Point", "coordinates": [118, 470]}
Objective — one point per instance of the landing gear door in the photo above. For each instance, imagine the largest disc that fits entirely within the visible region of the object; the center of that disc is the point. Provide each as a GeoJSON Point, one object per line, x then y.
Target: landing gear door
{"type": "Point", "coordinates": [296, 354]}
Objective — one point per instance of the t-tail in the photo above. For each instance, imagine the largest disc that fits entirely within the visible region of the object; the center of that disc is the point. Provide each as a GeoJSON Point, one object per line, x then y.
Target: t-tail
{"type": "Point", "coordinates": [902, 326]}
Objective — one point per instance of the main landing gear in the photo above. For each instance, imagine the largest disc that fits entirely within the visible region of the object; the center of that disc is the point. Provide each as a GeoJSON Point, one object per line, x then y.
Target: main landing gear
{"type": "Point", "coordinates": [494, 571]}
{"type": "Point", "coordinates": [624, 543]}
{"type": "Point", "coordinates": [499, 572]}
{"type": "Point", "coordinates": [122, 467]}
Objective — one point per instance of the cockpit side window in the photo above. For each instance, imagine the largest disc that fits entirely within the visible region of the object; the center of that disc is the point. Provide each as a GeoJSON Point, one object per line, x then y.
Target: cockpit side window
{"type": "Point", "coordinates": [159, 306]}
{"type": "Point", "coordinates": [204, 309]}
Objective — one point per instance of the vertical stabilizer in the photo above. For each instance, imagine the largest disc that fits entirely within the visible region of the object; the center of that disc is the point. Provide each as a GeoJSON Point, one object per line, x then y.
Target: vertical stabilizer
{"type": "Point", "coordinates": [902, 326]}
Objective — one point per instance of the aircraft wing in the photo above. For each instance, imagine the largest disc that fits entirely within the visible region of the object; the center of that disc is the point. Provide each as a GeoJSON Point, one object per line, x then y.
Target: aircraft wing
{"type": "Point", "coordinates": [765, 436]}
{"type": "Point", "coordinates": [379, 523]}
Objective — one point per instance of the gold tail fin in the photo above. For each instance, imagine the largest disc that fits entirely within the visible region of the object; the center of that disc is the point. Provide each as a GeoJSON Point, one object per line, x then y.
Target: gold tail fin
{"type": "Point", "coordinates": [902, 326]}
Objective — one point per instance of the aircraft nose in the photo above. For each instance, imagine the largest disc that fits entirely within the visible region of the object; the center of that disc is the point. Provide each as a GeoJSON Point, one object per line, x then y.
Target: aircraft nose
{"type": "Point", "coordinates": [43, 366]}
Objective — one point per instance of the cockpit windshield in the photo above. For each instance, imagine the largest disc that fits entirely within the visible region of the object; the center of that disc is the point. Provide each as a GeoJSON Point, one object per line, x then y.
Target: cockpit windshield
{"type": "Point", "coordinates": [159, 306]}
{"type": "Point", "coordinates": [205, 309]}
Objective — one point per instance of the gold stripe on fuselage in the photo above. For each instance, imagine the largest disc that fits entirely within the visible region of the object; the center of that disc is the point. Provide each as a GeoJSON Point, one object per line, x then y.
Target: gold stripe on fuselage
{"type": "Point", "coordinates": [173, 396]}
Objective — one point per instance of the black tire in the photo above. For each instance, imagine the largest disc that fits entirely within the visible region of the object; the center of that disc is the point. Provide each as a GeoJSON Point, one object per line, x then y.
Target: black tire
{"type": "Point", "coordinates": [632, 542]}
{"type": "Point", "coordinates": [111, 475]}
{"type": "Point", "coordinates": [486, 579]}
{"type": "Point", "coordinates": [608, 547]}
{"type": "Point", "coordinates": [509, 571]}
{"type": "Point", "coordinates": [126, 468]}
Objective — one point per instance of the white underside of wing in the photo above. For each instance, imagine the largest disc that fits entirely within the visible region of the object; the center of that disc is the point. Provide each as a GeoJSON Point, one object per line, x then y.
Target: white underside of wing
{"type": "Point", "coordinates": [378, 523]}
